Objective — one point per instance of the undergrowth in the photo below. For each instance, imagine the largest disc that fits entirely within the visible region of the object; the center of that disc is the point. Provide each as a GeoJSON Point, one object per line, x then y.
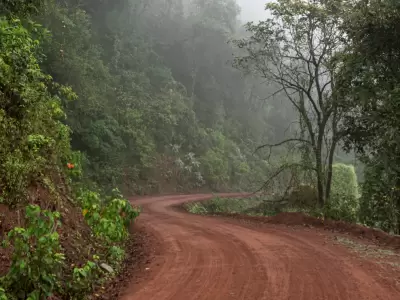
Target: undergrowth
{"type": "Point", "coordinates": [37, 258]}
{"type": "Point", "coordinates": [224, 205]}
{"type": "Point", "coordinates": [110, 218]}
{"type": "Point", "coordinates": [342, 205]}
{"type": "Point", "coordinates": [39, 166]}
{"type": "Point", "coordinates": [253, 206]}
{"type": "Point", "coordinates": [36, 270]}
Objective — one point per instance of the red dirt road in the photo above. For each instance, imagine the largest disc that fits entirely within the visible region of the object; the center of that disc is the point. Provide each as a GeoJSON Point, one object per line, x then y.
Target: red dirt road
{"type": "Point", "coordinates": [208, 258]}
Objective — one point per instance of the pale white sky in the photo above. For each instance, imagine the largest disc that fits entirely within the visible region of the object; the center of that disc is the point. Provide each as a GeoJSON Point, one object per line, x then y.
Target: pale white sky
{"type": "Point", "coordinates": [253, 10]}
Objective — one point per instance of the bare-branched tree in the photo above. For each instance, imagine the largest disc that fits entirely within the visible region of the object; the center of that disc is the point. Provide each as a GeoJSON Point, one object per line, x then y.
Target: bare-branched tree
{"type": "Point", "coordinates": [295, 50]}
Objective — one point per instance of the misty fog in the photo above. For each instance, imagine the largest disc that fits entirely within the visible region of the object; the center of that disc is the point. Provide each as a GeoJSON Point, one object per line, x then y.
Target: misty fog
{"type": "Point", "coordinates": [252, 10]}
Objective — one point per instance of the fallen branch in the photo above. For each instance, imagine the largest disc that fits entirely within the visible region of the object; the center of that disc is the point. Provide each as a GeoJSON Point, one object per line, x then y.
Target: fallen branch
{"type": "Point", "coordinates": [270, 146]}
{"type": "Point", "coordinates": [279, 171]}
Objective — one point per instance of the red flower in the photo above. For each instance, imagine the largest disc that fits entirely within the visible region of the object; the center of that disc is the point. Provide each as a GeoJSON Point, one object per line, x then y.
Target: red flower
{"type": "Point", "coordinates": [70, 166]}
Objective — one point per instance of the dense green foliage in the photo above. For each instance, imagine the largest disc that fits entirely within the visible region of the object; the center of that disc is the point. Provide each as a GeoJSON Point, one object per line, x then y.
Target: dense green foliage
{"type": "Point", "coordinates": [378, 204]}
{"type": "Point", "coordinates": [303, 196]}
{"type": "Point", "coordinates": [38, 165]}
{"type": "Point", "coordinates": [35, 272]}
{"type": "Point", "coordinates": [33, 140]}
{"type": "Point", "coordinates": [3, 295]}
{"type": "Point", "coordinates": [370, 81]}
{"type": "Point", "coordinates": [109, 220]}
{"type": "Point", "coordinates": [83, 279]}
{"type": "Point", "coordinates": [218, 205]}
{"type": "Point", "coordinates": [155, 86]}
{"type": "Point", "coordinates": [344, 203]}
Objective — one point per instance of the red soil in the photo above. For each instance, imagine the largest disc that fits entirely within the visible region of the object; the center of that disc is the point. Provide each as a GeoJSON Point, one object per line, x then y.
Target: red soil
{"type": "Point", "coordinates": [376, 236]}
{"type": "Point", "coordinates": [234, 258]}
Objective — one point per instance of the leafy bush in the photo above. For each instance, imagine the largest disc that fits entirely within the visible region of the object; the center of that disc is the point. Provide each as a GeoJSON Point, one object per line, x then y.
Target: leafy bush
{"type": "Point", "coordinates": [379, 194]}
{"type": "Point", "coordinates": [267, 208]}
{"type": "Point", "coordinates": [303, 196]}
{"type": "Point", "coordinates": [258, 206]}
{"type": "Point", "coordinates": [223, 205]}
{"type": "Point", "coordinates": [196, 208]}
{"type": "Point", "coordinates": [3, 295]}
{"type": "Point", "coordinates": [83, 279]}
{"type": "Point", "coordinates": [116, 255]}
{"type": "Point", "coordinates": [344, 200]}
{"type": "Point", "coordinates": [74, 166]}
{"type": "Point", "coordinates": [108, 219]}
{"type": "Point", "coordinates": [37, 259]}
{"type": "Point", "coordinates": [215, 168]}
{"type": "Point", "coordinates": [215, 205]}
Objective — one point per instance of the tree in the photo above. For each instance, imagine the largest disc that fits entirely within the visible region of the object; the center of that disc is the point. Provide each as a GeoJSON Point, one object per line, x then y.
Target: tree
{"type": "Point", "coordinates": [369, 75]}
{"type": "Point", "coordinates": [369, 80]}
{"type": "Point", "coordinates": [33, 141]}
{"type": "Point", "coordinates": [20, 7]}
{"type": "Point", "coordinates": [151, 75]}
{"type": "Point", "coordinates": [294, 50]}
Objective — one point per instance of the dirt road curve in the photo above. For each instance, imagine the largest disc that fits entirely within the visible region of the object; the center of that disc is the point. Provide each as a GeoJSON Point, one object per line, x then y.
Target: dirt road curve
{"type": "Point", "coordinates": [211, 258]}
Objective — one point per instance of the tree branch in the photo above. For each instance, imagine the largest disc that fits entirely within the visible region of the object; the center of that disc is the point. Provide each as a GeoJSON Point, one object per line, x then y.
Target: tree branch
{"type": "Point", "coordinates": [280, 170]}
{"type": "Point", "coordinates": [270, 146]}
{"type": "Point", "coordinates": [272, 95]}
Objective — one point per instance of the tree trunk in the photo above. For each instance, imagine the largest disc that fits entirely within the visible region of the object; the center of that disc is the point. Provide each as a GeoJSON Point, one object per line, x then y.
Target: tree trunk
{"type": "Point", "coordinates": [397, 206]}
{"type": "Point", "coordinates": [328, 183]}
{"type": "Point", "coordinates": [319, 163]}
{"type": "Point", "coordinates": [320, 177]}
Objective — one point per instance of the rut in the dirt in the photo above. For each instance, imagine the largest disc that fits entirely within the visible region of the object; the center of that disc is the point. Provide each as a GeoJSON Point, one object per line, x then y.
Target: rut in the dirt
{"type": "Point", "coordinates": [211, 258]}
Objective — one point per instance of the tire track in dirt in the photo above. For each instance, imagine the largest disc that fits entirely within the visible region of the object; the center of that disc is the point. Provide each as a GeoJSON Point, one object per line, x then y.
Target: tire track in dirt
{"type": "Point", "coordinates": [206, 258]}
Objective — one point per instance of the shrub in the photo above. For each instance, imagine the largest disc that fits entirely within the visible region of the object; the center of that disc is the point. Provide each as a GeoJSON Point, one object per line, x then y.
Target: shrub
{"type": "Point", "coordinates": [37, 259]}
{"type": "Point", "coordinates": [344, 200]}
{"type": "Point", "coordinates": [224, 205]}
{"type": "Point", "coordinates": [196, 208]}
{"type": "Point", "coordinates": [3, 295]}
{"type": "Point", "coordinates": [116, 255]}
{"type": "Point", "coordinates": [380, 193]}
{"type": "Point", "coordinates": [215, 205]}
{"type": "Point", "coordinates": [109, 219]}
{"type": "Point", "coordinates": [214, 167]}
{"type": "Point", "coordinates": [83, 279]}
{"type": "Point", "coordinates": [303, 196]}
